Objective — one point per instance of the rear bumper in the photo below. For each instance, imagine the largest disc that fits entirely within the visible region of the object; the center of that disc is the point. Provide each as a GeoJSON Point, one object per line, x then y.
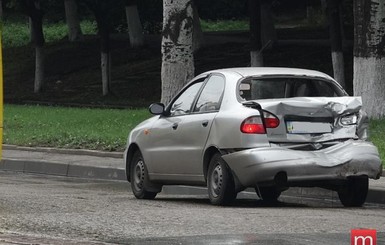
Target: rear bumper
{"type": "Point", "coordinates": [349, 158]}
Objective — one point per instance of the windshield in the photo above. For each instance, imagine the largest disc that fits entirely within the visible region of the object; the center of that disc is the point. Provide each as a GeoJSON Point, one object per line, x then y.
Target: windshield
{"type": "Point", "coordinates": [271, 88]}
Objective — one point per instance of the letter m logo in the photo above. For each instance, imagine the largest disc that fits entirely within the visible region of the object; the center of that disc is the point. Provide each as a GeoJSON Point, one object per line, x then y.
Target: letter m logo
{"type": "Point", "coordinates": [363, 237]}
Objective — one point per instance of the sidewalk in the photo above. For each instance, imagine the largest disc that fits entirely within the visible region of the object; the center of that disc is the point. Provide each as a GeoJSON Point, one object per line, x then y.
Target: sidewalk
{"type": "Point", "coordinates": [109, 165]}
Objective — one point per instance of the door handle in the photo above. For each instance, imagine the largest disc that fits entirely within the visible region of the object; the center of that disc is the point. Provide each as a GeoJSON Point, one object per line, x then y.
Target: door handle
{"type": "Point", "coordinates": [175, 126]}
{"type": "Point", "coordinates": [205, 123]}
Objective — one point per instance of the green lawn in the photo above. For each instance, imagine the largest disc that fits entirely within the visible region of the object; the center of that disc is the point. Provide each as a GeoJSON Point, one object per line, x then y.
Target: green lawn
{"type": "Point", "coordinates": [101, 129]}
{"type": "Point", "coordinates": [377, 133]}
{"type": "Point", "coordinates": [16, 33]}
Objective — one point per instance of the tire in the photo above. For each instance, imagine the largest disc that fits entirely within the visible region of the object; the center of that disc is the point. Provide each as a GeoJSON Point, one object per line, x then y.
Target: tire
{"type": "Point", "coordinates": [354, 193]}
{"type": "Point", "coordinates": [220, 182]}
{"type": "Point", "coordinates": [268, 194]}
{"type": "Point", "coordinates": [139, 178]}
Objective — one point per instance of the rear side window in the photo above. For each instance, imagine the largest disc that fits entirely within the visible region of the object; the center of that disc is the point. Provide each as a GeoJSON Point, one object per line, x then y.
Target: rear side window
{"type": "Point", "coordinates": [210, 98]}
{"type": "Point", "coordinates": [272, 88]}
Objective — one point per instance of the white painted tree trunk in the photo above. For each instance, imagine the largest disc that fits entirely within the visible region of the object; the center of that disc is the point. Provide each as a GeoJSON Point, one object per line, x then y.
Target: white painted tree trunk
{"type": "Point", "coordinates": [73, 23]}
{"type": "Point", "coordinates": [369, 82]}
{"type": "Point", "coordinates": [256, 59]}
{"type": "Point", "coordinates": [369, 55]}
{"type": "Point", "coordinates": [134, 25]}
{"type": "Point", "coordinates": [39, 69]}
{"type": "Point", "coordinates": [106, 72]}
{"type": "Point", "coordinates": [339, 67]}
{"type": "Point", "coordinates": [177, 52]}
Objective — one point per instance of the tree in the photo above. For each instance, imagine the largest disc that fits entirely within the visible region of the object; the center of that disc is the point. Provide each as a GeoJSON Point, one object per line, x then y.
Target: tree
{"type": "Point", "coordinates": [33, 10]}
{"type": "Point", "coordinates": [197, 29]}
{"type": "Point", "coordinates": [177, 53]}
{"type": "Point", "coordinates": [269, 34]}
{"type": "Point", "coordinates": [101, 10]}
{"type": "Point", "coordinates": [134, 25]}
{"type": "Point", "coordinates": [369, 55]}
{"type": "Point", "coordinates": [256, 57]}
{"type": "Point", "coordinates": [336, 40]}
{"type": "Point", "coordinates": [72, 19]}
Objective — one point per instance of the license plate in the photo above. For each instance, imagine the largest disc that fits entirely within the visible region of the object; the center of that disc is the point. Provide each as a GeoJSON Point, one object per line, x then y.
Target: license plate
{"type": "Point", "coordinates": [294, 127]}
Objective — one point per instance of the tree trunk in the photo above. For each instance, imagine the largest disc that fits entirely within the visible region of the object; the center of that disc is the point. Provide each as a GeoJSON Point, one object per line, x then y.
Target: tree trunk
{"type": "Point", "coordinates": [30, 30]}
{"type": "Point", "coordinates": [256, 57]}
{"type": "Point", "coordinates": [134, 25]}
{"type": "Point", "coordinates": [309, 11]}
{"type": "Point", "coordinates": [197, 30]}
{"type": "Point", "coordinates": [101, 11]}
{"type": "Point", "coordinates": [336, 41]}
{"type": "Point", "coordinates": [32, 9]}
{"type": "Point", "coordinates": [106, 71]}
{"type": "Point", "coordinates": [323, 6]}
{"type": "Point", "coordinates": [369, 55]}
{"type": "Point", "coordinates": [1, 9]}
{"type": "Point", "coordinates": [39, 69]}
{"type": "Point", "coordinates": [73, 23]}
{"type": "Point", "coordinates": [269, 34]}
{"type": "Point", "coordinates": [177, 53]}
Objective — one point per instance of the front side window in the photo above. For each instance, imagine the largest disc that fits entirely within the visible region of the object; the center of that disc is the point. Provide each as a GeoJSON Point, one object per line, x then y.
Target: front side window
{"type": "Point", "coordinates": [210, 98]}
{"type": "Point", "coordinates": [272, 88]}
{"type": "Point", "coordinates": [182, 105]}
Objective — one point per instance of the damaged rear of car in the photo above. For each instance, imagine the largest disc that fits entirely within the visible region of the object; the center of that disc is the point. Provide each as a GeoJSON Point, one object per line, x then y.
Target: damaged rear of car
{"type": "Point", "coordinates": [316, 136]}
{"type": "Point", "coordinates": [264, 128]}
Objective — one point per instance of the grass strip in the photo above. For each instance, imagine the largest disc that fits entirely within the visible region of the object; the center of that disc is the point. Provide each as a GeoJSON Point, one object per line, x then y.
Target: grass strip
{"type": "Point", "coordinates": [100, 129]}
{"type": "Point", "coordinates": [16, 33]}
{"type": "Point", "coordinates": [77, 128]}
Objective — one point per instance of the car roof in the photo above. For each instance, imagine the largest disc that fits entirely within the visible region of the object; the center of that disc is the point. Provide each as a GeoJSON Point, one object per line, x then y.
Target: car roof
{"type": "Point", "coordinates": [270, 71]}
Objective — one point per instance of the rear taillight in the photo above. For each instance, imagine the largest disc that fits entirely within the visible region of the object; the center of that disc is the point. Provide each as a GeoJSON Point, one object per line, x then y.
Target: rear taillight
{"type": "Point", "coordinates": [254, 125]}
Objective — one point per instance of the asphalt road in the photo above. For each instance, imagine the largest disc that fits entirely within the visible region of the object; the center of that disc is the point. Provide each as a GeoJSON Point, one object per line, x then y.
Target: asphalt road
{"type": "Point", "coordinates": [50, 210]}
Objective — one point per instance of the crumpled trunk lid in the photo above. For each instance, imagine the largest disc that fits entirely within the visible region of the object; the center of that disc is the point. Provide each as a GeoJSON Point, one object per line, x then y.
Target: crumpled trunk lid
{"type": "Point", "coordinates": [314, 119]}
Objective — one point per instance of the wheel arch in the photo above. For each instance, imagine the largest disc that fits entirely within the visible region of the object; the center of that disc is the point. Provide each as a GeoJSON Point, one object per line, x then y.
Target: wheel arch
{"type": "Point", "coordinates": [129, 155]}
{"type": "Point", "coordinates": [209, 153]}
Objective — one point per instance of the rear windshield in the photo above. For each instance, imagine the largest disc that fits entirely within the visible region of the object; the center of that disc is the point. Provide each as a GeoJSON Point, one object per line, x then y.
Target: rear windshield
{"type": "Point", "coordinates": [271, 88]}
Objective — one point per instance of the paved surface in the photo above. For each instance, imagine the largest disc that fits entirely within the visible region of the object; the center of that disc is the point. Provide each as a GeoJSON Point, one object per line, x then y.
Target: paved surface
{"type": "Point", "coordinates": [51, 209]}
{"type": "Point", "coordinates": [107, 165]}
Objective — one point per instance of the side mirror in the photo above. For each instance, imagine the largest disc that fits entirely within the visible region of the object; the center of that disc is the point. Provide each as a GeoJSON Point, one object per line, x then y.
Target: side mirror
{"type": "Point", "coordinates": [156, 108]}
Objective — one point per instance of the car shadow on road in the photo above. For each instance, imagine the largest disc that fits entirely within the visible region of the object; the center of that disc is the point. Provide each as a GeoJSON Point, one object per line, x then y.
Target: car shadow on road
{"type": "Point", "coordinates": [238, 203]}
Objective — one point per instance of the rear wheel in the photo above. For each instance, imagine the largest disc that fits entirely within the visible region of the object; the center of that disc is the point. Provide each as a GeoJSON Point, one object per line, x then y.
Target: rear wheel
{"type": "Point", "coordinates": [268, 194]}
{"type": "Point", "coordinates": [220, 182]}
{"type": "Point", "coordinates": [354, 193]}
{"type": "Point", "coordinates": [139, 178]}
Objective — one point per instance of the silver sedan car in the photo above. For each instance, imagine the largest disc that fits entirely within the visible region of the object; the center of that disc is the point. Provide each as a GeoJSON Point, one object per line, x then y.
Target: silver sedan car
{"type": "Point", "coordinates": [264, 128]}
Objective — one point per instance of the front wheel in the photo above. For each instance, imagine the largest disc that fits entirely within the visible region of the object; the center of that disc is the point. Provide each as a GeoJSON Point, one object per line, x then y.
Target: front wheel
{"type": "Point", "coordinates": [139, 178]}
{"type": "Point", "coordinates": [354, 193]}
{"type": "Point", "coordinates": [220, 182]}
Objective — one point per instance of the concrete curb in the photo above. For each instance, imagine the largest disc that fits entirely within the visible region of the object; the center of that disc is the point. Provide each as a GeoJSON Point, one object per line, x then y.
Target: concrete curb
{"type": "Point", "coordinates": [62, 169]}
{"type": "Point", "coordinates": [66, 151]}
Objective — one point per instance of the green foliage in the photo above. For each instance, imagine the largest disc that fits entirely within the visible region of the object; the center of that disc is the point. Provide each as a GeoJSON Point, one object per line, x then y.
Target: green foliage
{"type": "Point", "coordinates": [101, 129]}
{"type": "Point", "coordinates": [224, 25]}
{"type": "Point", "coordinates": [16, 33]}
{"type": "Point", "coordinates": [377, 130]}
